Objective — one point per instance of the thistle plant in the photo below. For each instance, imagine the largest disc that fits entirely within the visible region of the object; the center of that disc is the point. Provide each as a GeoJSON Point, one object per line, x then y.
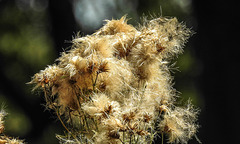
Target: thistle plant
{"type": "Point", "coordinates": [115, 86]}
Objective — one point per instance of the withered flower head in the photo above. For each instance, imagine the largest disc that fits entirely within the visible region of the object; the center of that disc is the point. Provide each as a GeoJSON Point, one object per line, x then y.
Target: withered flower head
{"type": "Point", "coordinates": [115, 86]}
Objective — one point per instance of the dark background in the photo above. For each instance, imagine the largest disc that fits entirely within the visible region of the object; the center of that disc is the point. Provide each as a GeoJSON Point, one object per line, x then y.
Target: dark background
{"type": "Point", "coordinates": [34, 32]}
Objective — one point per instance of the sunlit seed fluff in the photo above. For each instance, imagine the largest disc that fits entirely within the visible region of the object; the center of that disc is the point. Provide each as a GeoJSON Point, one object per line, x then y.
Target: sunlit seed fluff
{"type": "Point", "coordinates": [47, 77]}
{"type": "Point", "coordinates": [2, 116]}
{"type": "Point", "coordinates": [101, 107]}
{"type": "Point", "coordinates": [113, 27]}
{"type": "Point", "coordinates": [115, 86]}
{"type": "Point", "coordinates": [168, 34]}
{"type": "Point", "coordinates": [179, 124]}
{"type": "Point", "coordinates": [4, 139]}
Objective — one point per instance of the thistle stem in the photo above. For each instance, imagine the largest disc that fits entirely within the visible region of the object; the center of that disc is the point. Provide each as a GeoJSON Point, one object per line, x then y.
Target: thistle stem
{"type": "Point", "coordinates": [65, 126]}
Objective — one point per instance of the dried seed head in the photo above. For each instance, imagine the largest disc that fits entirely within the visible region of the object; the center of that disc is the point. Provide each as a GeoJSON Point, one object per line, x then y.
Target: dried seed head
{"type": "Point", "coordinates": [147, 118]}
{"type": "Point", "coordinates": [142, 132]}
{"type": "Point", "coordinates": [114, 134]}
{"type": "Point", "coordinates": [116, 82]}
{"type": "Point", "coordinates": [103, 68]}
{"type": "Point", "coordinates": [127, 117]}
{"type": "Point", "coordinates": [180, 124]}
{"type": "Point", "coordinates": [116, 26]}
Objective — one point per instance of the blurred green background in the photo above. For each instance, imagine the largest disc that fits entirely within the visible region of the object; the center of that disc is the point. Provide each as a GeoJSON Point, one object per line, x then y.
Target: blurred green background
{"type": "Point", "coordinates": [34, 32]}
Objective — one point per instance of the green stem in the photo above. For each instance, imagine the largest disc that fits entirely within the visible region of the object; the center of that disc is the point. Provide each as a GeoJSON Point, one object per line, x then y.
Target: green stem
{"type": "Point", "coordinates": [95, 82]}
{"type": "Point", "coordinates": [65, 126]}
{"type": "Point", "coordinates": [121, 141]}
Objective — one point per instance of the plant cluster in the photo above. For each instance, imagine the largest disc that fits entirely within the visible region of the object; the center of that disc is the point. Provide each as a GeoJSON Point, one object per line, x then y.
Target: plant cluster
{"type": "Point", "coordinates": [115, 86]}
{"type": "Point", "coordinates": [4, 139]}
